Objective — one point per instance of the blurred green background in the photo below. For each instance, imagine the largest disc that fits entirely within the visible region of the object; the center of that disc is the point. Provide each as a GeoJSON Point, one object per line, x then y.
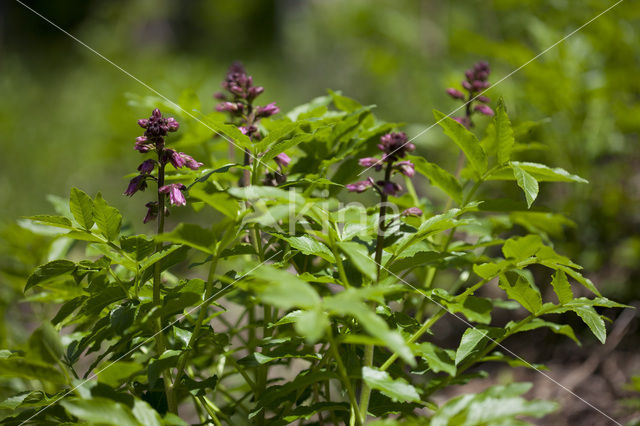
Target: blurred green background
{"type": "Point", "coordinates": [67, 118]}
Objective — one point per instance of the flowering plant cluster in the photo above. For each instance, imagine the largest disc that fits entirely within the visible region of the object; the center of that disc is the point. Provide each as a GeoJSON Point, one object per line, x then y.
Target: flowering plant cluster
{"type": "Point", "coordinates": [279, 303]}
{"type": "Point", "coordinates": [156, 129]}
{"type": "Point", "coordinates": [476, 82]}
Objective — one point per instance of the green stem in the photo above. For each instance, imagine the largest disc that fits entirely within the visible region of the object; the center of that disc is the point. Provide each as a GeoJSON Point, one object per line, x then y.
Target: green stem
{"type": "Point", "coordinates": [204, 308]}
{"type": "Point", "coordinates": [415, 336]}
{"type": "Point", "coordinates": [355, 412]}
{"type": "Point", "coordinates": [336, 255]}
{"type": "Point", "coordinates": [365, 391]}
{"type": "Point", "coordinates": [157, 300]}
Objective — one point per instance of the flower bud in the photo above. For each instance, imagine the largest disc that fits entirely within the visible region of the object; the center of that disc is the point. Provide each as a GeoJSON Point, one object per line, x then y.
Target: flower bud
{"type": "Point", "coordinates": [360, 186]}
{"type": "Point", "coordinates": [267, 111]}
{"type": "Point", "coordinates": [454, 93]}
{"type": "Point", "coordinates": [172, 124]}
{"type": "Point", "coordinates": [483, 99]}
{"type": "Point", "coordinates": [389, 188]}
{"type": "Point", "coordinates": [143, 122]}
{"type": "Point", "coordinates": [484, 109]}
{"type": "Point", "coordinates": [371, 162]}
{"type": "Point", "coordinates": [282, 159]}
{"type": "Point", "coordinates": [467, 85]}
{"type": "Point", "coordinates": [136, 184]}
{"type": "Point", "coordinates": [146, 167]}
{"type": "Point", "coordinates": [406, 168]}
{"type": "Point", "coordinates": [412, 211]}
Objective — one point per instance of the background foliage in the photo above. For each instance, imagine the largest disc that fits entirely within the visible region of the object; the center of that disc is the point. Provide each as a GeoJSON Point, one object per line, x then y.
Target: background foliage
{"type": "Point", "coordinates": [64, 120]}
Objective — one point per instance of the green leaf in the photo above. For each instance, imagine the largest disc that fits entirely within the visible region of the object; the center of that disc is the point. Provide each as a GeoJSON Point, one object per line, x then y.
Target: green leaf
{"type": "Point", "coordinates": [115, 373]}
{"type": "Point", "coordinates": [539, 172]}
{"type": "Point", "coordinates": [227, 131]}
{"type": "Point", "coordinates": [57, 221]}
{"type": "Point", "coordinates": [220, 201]}
{"type": "Point", "coordinates": [564, 329]}
{"type": "Point", "coordinates": [352, 302]}
{"type": "Point", "coordinates": [360, 258]}
{"type": "Point", "coordinates": [45, 341]}
{"type": "Point", "coordinates": [593, 321]}
{"type": "Point", "coordinates": [473, 340]}
{"type": "Point", "coordinates": [522, 291]}
{"type": "Point", "coordinates": [191, 235]}
{"type": "Point", "coordinates": [521, 248]}
{"type": "Point", "coordinates": [527, 182]}
{"type": "Point", "coordinates": [81, 206]}
{"type": "Point", "coordinates": [498, 405]}
{"type": "Point", "coordinates": [309, 246]}
{"type": "Point", "coordinates": [396, 389]}
{"type": "Point", "coordinates": [207, 173]}
{"type": "Point", "coordinates": [266, 192]}
{"type": "Point", "coordinates": [282, 130]}
{"type": "Point", "coordinates": [437, 359]}
{"type": "Point", "coordinates": [48, 271]}
{"type": "Point", "coordinates": [107, 218]}
{"type": "Point", "coordinates": [139, 246]}
{"type": "Point", "coordinates": [439, 177]}
{"type": "Point", "coordinates": [146, 415]}
{"type": "Point", "coordinates": [15, 366]}
{"type": "Point", "coordinates": [306, 412]}
{"type": "Point", "coordinates": [561, 287]}
{"type": "Point", "coordinates": [283, 289]}
{"type": "Point", "coordinates": [101, 411]}
{"type": "Point", "coordinates": [487, 270]}
{"type": "Point", "coordinates": [504, 139]}
{"type": "Point", "coordinates": [465, 140]}
{"type": "Point", "coordinates": [311, 325]}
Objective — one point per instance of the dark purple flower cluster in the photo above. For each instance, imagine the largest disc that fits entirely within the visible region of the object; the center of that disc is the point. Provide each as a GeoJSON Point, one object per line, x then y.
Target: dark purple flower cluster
{"type": "Point", "coordinates": [393, 146]}
{"type": "Point", "coordinates": [239, 101]}
{"type": "Point", "coordinates": [156, 129]}
{"type": "Point", "coordinates": [476, 82]}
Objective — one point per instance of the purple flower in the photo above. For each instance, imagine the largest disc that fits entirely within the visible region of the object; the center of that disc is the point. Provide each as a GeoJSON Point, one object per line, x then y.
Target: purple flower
{"type": "Point", "coordinates": [412, 211]}
{"type": "Point", "coordinates": [282, 159]}
{"type": "Point", "coordinates": [152, 211]}
{"type": "Point", "coordinates": [230, 107]}
{"type": "Point", "coordinates": [483, 99]}
{"type": "Point", "coordinates": [147, 166]}
{"type": "Point", "coordinates": [484, 109]}
{"type": "Point", "coordinates": [267, 111]}
{"type": "Point", "coordinates": [389, 188]}
{"type": "Point", "coordinates": [136, 184]}
{"type": "Point", "coordinates": [454, 93]}
{"type": "Point", "coordinates": [176, 197]}
{"type": "Point", "coordinates": [157, 127]}
{"type": "Point", "coordinates": [361, 186]}
{"type": "Point", "coordinates": [395, 145]}
{"type": "Point", "coordinates": [250, 130]}
{"type": "Point", "coordinates": [174, 157]}
{"type": "Point", "coordinates": [172, 124]}
{"type": "Point", "coordinates": [463, 120]}
{"type": "Point", "coordinates": [220, 96]}
{"type": "Point", "coordinates": [142, 145]}
{"type": "Point", "coordinates": [371, 162]}
{"type": "Point", "coordinates": [254, 92]}
{"type": "Point", "coordinates": [180, 159]}
{"type": "Point", "coordinates": [406, 168]}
